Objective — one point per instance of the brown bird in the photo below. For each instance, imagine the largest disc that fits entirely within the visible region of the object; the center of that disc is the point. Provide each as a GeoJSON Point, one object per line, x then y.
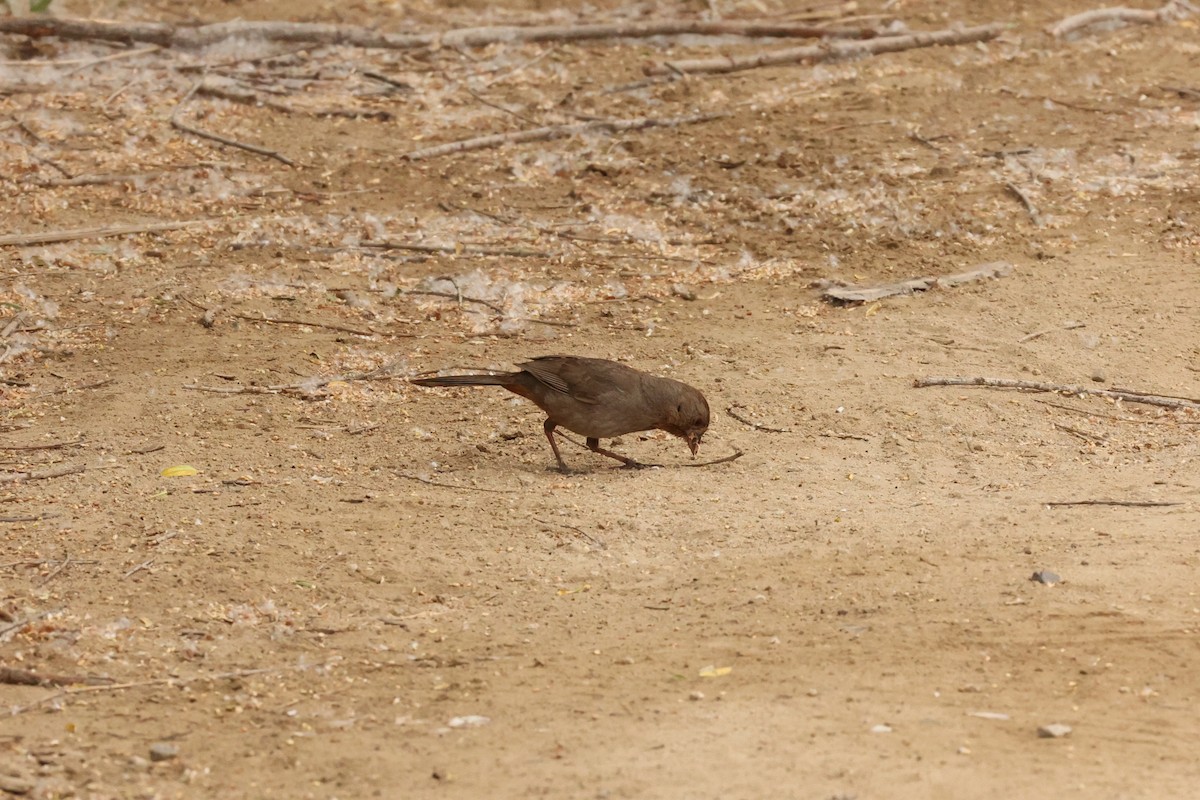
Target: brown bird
{"type": "Point", "coordinates": [598, 399]}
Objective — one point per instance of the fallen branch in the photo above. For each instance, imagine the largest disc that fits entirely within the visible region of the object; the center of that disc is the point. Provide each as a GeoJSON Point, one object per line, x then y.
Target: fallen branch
{"type": "Point", "coordinates": [863, 294]}
{"type": "Point", "coordinates": [552, 132]}
{"type": "Point", "coordinates": [27, 517]}
{"type": "Point", "coordinates": [178, 124]}
{"type": "Point", "coordinates": [831, 51]}
{"type": "Point", "coordinates": [1171, 11]}
{"type": "Point", "coordinates": [1031, 386]}
{"type": "Point", "coordinates": [54, 472]}
{"type": "Point", "coordinates": [74, 234]}
{"type": "Point", "coordinates": [195, 36]}
{"type": "Point", "coordinates": [1127, 503]}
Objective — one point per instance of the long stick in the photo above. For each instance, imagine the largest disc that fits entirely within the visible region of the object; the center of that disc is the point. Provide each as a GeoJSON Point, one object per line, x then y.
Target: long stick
{"type": "Point", "coordinates": [826, 52]}
{"type": "Point", "coordinates": [1033, 386]}
{"type": "Point", "coordinates": [73, 234]}
{"type": "Point", "coordinates": [555, 132]}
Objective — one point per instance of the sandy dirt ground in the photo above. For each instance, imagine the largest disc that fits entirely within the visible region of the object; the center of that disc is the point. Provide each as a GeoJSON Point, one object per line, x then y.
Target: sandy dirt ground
{"type": "Point", "coordinates": [369, 589]}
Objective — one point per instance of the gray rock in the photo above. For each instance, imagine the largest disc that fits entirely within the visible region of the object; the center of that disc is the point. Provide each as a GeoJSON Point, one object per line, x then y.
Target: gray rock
{"type": "Point", "coordinates": [1053, 731]}
{"type": "Point", "coordinates": [163, 751]}
{"type": "Point", "coordinates": [1045, 576]}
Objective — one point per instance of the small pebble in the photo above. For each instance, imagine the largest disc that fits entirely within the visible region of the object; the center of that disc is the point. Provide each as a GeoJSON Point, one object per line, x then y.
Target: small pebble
{"type": "Point", "coordinates": [1053, 731]}
{"type": "Point", "coordinates": [1045, 576]}
{"type": "Point", "coordinates": [683, 291]}
{"type": "Point", "coordinates": [696, 696]}
{"type": "Point", "coordinates": [469, 721]}
{"type": "Point", "coordinates": [881, 728]}
{"type": "Point", "coordinates": [1098, 376]}
{"type": "Point", "coordinates": [163, 751]}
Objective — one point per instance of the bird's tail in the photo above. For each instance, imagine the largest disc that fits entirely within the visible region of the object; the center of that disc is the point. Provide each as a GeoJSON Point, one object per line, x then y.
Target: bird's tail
{"type": "Point", "coordinates": [502, 379]}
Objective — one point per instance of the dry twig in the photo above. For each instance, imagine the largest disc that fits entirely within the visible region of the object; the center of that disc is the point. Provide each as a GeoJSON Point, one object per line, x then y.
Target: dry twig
{"type": "Point", "coordinates": [428, 482]}
{"type": "Point", "coordinates": [1030, 208]}
{"type": "Point", "coordinates": [756, 426]}
{"type": "Point", "coordinates": [179, 124]}
{"type": "Point", "coordinates": [172, 681]}
{"type": "Point", "coordinates": [864, 294]}
{"type": "Point", "coordinates": [1175, 9]}
{"type": "Point", "coordinates": [54, 472]}
{"type": "Point", "coordinates": [552, 132]}
{"type": "Point", "coordinates": [1126, 395]}
{"type": "Point", "coordinates": [307, 387]}
{"type": "Point", "coordinates": [74, 234]}
{"type": "Point", "coordinates": [827, 51]}
{"type": "Point", "coordinates": [52, 446]}
{"type": "Point", "coordinates": [1127, 503]}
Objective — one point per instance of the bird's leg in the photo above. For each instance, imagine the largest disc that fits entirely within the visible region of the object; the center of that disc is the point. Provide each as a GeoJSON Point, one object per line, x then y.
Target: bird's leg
{"type": "Point", "coordinates": [549, 427]}
{"type": "Point", "coordinates": [593, 444]}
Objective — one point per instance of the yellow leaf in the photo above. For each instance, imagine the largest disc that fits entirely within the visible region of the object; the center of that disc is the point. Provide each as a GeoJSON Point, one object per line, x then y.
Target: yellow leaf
{"type": "Point", "coordinates": [714, 672]}
{"type": "Point", "coordinates": [179, 471]}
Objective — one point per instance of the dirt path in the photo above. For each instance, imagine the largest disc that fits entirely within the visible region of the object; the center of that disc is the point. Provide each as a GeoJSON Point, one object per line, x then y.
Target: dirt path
{"type": "Point", "coordinates": [370, 589]}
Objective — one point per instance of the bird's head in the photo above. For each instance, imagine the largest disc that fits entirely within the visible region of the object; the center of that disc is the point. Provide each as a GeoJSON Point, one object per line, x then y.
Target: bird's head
{"type": "Point", "coordinates": [688, 417]}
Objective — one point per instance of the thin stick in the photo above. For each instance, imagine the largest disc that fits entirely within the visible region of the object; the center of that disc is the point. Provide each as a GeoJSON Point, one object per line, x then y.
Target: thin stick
{"type": "Point", "coordinates": [458, 249]}
{"type": "Point", "coordinates": [62, 565]}
{"type": "Point", "coordinates": [74, 234]}
{"type": "Point", "coordinates": [55, 472]}
{"type": "Point", "coordinates": [734, 457]}
{"type": "Point", "coordinates": [756, 426]}
{"type": "Point", "coordinates": [1031, 386]}
{"type": "Point", "coordinates": [428, 482]}
{"type": "Point", "coordinates": [1088, 437]}
{"type": "Point", "coordinates": [1084, 412]}
{"type": "Point", "coordinates": [591, 539]}
{"type": "Point", "coordinates": [1030, 208]}
{"type": "Point", "coordinates": [1135, 15]}
{"type": "Point", "coordinates": [145, 564]}
{"type": "Point", "coordinates": [1070, 326]}
{"type": "Point", "coordinates": [830, 51]}
{"type": "Point", "coordinates": [307, 386]}
{"type": "Point", "coordinates": [1128, 503]}
{"type": "Point", "coordinates": [27, 517]}
{"type": "Point", "coordinates": [278, 321]}
{"type": "Point", "coordinates": [79, 388]}
{"type": "Point", "coordinates": [112, 687]}
{"type": "Point", "coordinates": [141, 51]}
{"type": "Point", "coordinates": [552, 132]}
{"type": "Point", "coordinates": [54, 446]}
{"type": "Point", "coordinates": [177, 123]}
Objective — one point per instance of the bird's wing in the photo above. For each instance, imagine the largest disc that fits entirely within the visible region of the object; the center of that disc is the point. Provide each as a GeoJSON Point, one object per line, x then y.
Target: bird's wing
{"type": "Point", "coordinates": [567, 375]}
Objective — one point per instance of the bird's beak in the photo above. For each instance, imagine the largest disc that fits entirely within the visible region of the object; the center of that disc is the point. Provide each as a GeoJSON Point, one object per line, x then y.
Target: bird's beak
{"type": "Point", "coordinates": [693, 443]}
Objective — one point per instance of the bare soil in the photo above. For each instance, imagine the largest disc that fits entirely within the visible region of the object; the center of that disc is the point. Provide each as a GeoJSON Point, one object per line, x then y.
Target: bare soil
{"type": "Point", "coordinates": [373, 590]}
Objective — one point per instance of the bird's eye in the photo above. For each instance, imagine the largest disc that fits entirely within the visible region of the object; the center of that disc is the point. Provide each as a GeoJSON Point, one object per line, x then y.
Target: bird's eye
{"type": "Point", "coordinates": [679, 408]}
